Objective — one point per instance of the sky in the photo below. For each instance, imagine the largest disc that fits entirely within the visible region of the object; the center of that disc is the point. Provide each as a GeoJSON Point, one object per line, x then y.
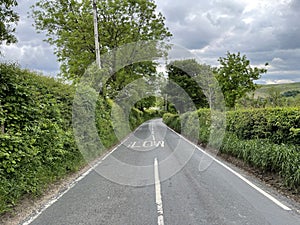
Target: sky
{"type": "Point", "coordinates": [263, 30]}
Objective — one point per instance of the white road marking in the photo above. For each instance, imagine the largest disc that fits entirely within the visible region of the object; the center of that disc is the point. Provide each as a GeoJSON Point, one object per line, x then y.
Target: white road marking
{"type": "Point", "coordinates": [267, 195]}
{"type": "Point", "coordinates": [71, 185]}
{"type": "Point", "coordinates": [146, 144]}
{"type": "Point", "coordinates": [152, 132]}
{"type": "Point", "coordinates": [158, 198]}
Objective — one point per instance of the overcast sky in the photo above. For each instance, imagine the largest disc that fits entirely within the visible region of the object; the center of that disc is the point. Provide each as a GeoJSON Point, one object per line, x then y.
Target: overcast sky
{"type": "Point", "coordinates": [264, 30]}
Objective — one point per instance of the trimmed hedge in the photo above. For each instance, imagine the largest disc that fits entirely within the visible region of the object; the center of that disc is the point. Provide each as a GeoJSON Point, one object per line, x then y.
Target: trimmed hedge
{"type": "Point", "coordinates": [173, 121]}
{"type": "Point", "coordinates": [279, 125]}
{"type": "Point", "coordinates": [36, 138]}
{"type": "Point", "coordinates": [37, 144]}
{"type": "Point", "coordinates": [265, 138]}
{"type": "Point", "coordinates": [137, 117]}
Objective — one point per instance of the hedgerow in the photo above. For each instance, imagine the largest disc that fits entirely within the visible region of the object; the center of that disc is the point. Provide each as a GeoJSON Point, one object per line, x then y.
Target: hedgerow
{"type": "Point", "coordinates": [265, 138]}
{"type": "Point", "coordinates": [37, 144]}
{"type": "Point", "coordinates": [278, 158]}
{"type": "Point", "coordinates": [279, 125]}
{"type": "Point", "coordinates": [36, 138]}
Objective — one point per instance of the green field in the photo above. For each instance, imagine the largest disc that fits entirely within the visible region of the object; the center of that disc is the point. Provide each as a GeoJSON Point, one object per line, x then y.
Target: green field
{"type": "Point", "coordinates": [264, 90]}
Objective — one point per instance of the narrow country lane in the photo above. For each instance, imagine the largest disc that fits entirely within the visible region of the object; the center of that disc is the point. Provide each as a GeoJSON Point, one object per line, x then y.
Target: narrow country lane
{"type": "Point", "coordinates": [153, 177]}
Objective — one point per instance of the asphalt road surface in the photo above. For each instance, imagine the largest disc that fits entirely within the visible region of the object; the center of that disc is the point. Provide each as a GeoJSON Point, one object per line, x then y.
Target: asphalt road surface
{"type": "Point", "coordinates": [153, 177]}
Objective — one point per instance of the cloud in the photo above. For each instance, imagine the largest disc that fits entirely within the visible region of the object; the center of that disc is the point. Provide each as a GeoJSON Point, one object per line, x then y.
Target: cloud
{"type": "Point", "coordinates": [31, 51]}
{"type": "Point", "coordinates": [38, 57]}
{"type": "Point", "coordinates": [263, 30]}
{"type": "Point", "coordinates": [278, 81]}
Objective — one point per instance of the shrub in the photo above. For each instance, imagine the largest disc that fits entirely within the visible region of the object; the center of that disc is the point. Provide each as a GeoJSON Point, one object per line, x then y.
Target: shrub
{"type": "Point", "coordinates": [267, 139]}
{"type": "Point", "coordinates": [279, 125]}
{"type": "Point", "coordinates": [37, 144]}
{"type": "Point", "coordinates": [267, 156]}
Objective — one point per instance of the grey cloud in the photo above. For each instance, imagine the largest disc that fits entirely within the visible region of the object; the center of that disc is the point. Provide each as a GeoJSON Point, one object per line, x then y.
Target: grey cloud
{"type": "Point", "coordinates": [209, 27]}
{"type": "Point", "coordinates": [30, 51]}
{"type": "Point", "coordinates": [196, 23]}
{"type": "Point", "coordinates": [279, 76]}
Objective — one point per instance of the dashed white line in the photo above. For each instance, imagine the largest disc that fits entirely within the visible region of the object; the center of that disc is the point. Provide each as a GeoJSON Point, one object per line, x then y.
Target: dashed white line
{"type": "Point", "coordinates": [152, 132]}
{"type": "Point", "coordinates": [158, 198]}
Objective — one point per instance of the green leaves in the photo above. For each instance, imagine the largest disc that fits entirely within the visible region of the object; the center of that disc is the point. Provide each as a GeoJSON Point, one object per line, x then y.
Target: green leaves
{"type": "Point", "coordinates": [279, 125]}
{"type": "Point", "coordinates": [69, 27]}
{"type": "Point", "coordinates": [236, 76]}
{"type": "Point", "coordinates": [188, 75]}
{"type": "Point", "coordinates": [8, 18]}
{"type": "Point", "coordinates": [36, 142]}
{"type": "Point", "coordinates": [267, 156]}
{"type": "Point", "coordinates": [267, 139]}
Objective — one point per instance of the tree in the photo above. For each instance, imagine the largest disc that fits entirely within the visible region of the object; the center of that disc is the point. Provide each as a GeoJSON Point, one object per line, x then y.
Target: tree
{"type": "Point", "coordinates": [292, 93]}
{"type": "Point", "coordinates": [184, 73]}
{"type": "Point", "coordinates": [236, 77]}
{"type": "Point", "coordinates": [8, 18]}
{"type": "Point", "coordinates": [69, 27]}
{"type": "Point", "coordinates": [275, 98]}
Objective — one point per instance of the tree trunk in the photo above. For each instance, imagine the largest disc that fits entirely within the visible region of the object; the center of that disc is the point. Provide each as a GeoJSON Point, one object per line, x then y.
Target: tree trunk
{"type": "Point", "coordinates": [97, 46]}
{"type": "Point", "coordinates": [2, 128]}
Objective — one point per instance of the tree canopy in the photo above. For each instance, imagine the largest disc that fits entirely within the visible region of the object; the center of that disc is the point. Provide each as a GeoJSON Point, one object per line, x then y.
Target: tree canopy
{"type": "Point", "coordinates": [184, 73]}
{"type": "Point", "coordinates": [236, 77]}
{"type": "Point", "coordinates": [69, 27]}
{"type": "Point", "coordinates": [8, 20]}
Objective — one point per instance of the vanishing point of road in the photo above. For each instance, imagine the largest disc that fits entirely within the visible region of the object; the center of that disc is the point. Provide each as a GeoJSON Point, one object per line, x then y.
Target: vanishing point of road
{"type": "Point", "coordinates": [153, 178]}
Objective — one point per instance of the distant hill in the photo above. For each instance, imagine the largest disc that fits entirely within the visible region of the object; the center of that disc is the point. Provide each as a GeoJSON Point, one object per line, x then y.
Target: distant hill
{"type": "Point", "coordinates": [264, 90]}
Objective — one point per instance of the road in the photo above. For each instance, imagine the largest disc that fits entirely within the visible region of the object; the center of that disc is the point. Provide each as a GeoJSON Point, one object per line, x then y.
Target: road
{"type": "Point", "coordinates": [153, 177]}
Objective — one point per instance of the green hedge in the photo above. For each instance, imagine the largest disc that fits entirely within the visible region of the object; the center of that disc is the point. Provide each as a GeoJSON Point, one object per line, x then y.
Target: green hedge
{"type": "Point", "coordinates": [37, 145]}
{"type": "Point", "coordinates": [267, 156]}
{"type": "Point", "coordinates": [137, 117]}
{"type": "Point", "coordinates": [173, 121]}
{"type": "Point", "coordinates": [279, 125]}
{"type": "Point", "coordinates": [187, 120]}
{"type": "Point", "coordinates": [265, 138]}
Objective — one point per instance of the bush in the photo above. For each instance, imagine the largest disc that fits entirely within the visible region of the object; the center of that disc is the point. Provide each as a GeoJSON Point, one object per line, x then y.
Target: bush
{"type": "Point", "coordinates": [37, 144]}
{"type": "Point", "coordinates": [173, 121]}
{"type": "Point", "coordinates": [279, 125]}
{"type": "Point", "coordinates": [135, 118]}
{"type": "Point", "coordinates": [267, 156]}
{"type": "Point", "coordinates": [267, 139]}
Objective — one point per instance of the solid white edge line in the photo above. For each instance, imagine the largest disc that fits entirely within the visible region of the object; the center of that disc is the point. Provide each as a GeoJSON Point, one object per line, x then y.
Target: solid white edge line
{"type": "Point", "coordinates": [267, 195]}
{"type": "Point", "coordinates": [72, 184]}
{"type": "Point", "coordinates": [158, 198]}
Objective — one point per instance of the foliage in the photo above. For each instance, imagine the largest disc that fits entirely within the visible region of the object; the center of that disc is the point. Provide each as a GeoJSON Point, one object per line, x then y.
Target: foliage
{"type": "Point", "coordinates": [279, 125]}
{"type": "Point", "coordinates": [138, 117]}
{"type": "Point", "coordinates": [185, 73]}
{"type": "Point", "coordinates": [7, 20]}
{"type": "Point", "coordinates": [173, 121]}
{"type": "Point", "coordinates": [292, 93]}
{"type": "Point", "coordinates": [37, 144]}
{"type": "Point", "coordinates": [267, 156]}
{"type": "Point", "coordinates": [265, 138]}
{"type": "Point", "coordinates": [236, 77]}
{"type": "Point", "coordinates": [146, 103]}
{"type": "Point", "coordinates": [280, 95]}
{"type": "Point", "coordinates": [69, 27]}
{"type": "Point", "coordinates": [263, 90]}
